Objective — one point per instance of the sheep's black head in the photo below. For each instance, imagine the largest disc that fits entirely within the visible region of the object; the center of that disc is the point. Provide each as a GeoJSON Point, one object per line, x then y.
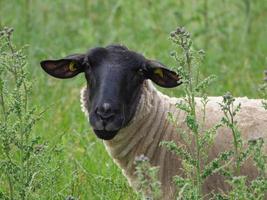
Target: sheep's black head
{"type": "Point", "coordinates": [114, 78]}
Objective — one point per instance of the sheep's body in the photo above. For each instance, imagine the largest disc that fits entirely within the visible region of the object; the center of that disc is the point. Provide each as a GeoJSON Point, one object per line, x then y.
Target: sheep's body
{"type": "Point", "coordinates": [150, 126]}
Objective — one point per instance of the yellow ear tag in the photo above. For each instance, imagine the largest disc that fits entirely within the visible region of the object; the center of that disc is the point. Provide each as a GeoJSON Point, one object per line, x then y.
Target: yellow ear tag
{"type": "Point", "coordinates": [72, 67]}
{"type": "Point", "coordinates": [159, 72]}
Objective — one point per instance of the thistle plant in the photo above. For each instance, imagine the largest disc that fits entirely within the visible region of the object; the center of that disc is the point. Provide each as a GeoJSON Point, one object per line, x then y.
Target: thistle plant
{"type": "Point", "coordinates": [17, 120]}
{"type": "Point", "coordinates": [230, 111]}
{"type": "Point", "coordinates": [188, 60]}
{"type": "Point", "coordinates": [23, 157]}
{"type": "Point", "coordinates": [147, 176]}
{"type": "Point", "coordinates": [195, 164]}
{"type": "Point", "coordinates": [243, 150]}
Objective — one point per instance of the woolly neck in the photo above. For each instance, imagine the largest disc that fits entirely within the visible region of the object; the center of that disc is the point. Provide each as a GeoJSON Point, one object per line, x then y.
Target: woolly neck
{"type": "Point", "coordinates": [143, 134]}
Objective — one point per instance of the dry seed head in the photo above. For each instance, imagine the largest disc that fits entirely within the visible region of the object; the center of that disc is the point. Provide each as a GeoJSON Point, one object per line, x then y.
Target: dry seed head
{"type": "Point", "coordinates": [141, 158]}
{"type": "Point", "coordinates": [172, 34]}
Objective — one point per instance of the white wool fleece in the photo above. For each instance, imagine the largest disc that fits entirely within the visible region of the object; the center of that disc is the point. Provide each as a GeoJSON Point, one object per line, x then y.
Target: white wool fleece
{"type": "Point", "coordinates": [150, 126]}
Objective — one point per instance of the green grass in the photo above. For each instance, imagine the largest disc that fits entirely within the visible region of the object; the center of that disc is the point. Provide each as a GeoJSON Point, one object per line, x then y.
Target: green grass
{"type": "Point", "coordinates": [232, 32]}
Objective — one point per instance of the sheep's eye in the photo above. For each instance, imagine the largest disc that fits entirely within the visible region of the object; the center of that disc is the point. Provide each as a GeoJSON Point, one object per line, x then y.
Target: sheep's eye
{"type": "Point", "coordinates": [140, 72]}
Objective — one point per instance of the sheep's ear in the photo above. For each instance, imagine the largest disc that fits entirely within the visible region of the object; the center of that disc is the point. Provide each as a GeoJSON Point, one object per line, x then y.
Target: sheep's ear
{"type": "Point", "coordinates": [67, 67]}
{"type": "Point", "coordinates": [160, 75]}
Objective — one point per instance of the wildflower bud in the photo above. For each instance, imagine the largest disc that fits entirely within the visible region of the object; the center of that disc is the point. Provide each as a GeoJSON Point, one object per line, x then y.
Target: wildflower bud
{"type": "Point", "coordinates": [148, 198]}
{"type": "Point", "coordinates": [9, 31]}
{"type": "Point", "coordinates": [177, 31]}
{"type": "Point", "coordinates": [172, 34]}
{"type": "Point", "coordinates": [227, 96]}
{"type": "Point", "coordinates": [140, 159]}
{"type": "Point", "coordinates": [70, 198]}
{"type": "Point", "coordinates": [187, 34]}
{"type": "Point", "coordinates": [182, 30]}
{"type": "Point", "coordinates": [172, 53]}
{"type": "Point", "coordinates": [201, 51]}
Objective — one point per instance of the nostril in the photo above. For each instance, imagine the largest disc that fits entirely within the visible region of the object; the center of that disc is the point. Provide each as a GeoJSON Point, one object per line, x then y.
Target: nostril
{"type": "Point", "coordinates": [105, 112]}
{"type": "Point", "coordinates": [103, 115]}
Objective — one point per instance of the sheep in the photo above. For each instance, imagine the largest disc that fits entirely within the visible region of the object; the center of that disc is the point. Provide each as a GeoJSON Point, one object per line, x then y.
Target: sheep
{"type": "Point", "coordinates": [130, 114]}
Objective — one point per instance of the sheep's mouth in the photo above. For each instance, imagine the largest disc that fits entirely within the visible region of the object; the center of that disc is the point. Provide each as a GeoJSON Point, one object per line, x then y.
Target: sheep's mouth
{"type": "Point", "coordinates": [105, 135]}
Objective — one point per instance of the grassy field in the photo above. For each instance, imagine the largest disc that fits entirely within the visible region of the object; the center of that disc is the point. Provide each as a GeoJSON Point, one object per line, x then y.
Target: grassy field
{"type": "Point", "coordinates": [232, 32]}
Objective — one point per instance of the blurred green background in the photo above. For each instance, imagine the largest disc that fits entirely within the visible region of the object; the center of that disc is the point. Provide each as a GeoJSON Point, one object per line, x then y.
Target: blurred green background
{"type": "Point", "coordinates": [232, 32]}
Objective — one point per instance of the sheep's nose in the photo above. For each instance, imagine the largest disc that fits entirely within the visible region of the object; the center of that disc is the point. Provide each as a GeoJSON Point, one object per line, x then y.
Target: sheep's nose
{"type": "Point", "coordinates": [105, 111]}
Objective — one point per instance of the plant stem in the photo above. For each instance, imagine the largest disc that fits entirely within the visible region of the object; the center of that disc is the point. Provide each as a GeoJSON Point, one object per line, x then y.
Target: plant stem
{"type": "Point", "coordinates": [9, 179]}
{"type": "Point", "coordinates": [10, 187]}
{"type": "Point", "coordinates": [228, 113]}
{"type": "Point", "coordinates": [3, 104]}
{"type": "Point", "coordinates": [10, 184]}
{"type": "Point", "coordinates": [191, 97]}
{"type": "Point", "coordinates": [235, 141]}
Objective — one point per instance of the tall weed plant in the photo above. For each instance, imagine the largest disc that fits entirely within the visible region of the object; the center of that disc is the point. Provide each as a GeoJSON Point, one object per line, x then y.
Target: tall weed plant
{"type": "Point", "coordinates": [196, 166]}
{"type": "Point", "coordinates": [28, 169]}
